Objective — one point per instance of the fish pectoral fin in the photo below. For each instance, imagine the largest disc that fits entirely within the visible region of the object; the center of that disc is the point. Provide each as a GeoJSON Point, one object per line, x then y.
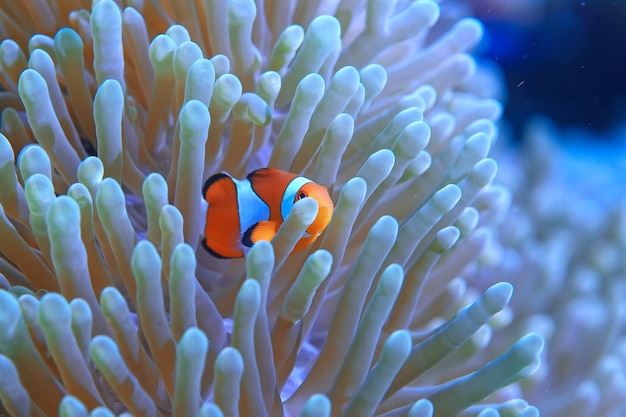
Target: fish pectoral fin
{"type": "Point", "coordinates": [265, 230]}
{"type": "Point", "coordinates": [222, 253]}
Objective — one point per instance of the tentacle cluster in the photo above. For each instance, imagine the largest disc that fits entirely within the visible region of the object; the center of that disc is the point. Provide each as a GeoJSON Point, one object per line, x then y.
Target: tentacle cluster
{"type": "Point", "coordinates": [117, 115]}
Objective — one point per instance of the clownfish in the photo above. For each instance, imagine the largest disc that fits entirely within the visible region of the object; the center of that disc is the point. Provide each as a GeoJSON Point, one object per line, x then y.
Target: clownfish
{"type": "Point", "coordinates": [243, 212]}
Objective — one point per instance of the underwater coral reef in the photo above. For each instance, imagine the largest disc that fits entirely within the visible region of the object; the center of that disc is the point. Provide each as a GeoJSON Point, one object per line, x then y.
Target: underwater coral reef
{"type": "Point", "coordinates": [113, 116]}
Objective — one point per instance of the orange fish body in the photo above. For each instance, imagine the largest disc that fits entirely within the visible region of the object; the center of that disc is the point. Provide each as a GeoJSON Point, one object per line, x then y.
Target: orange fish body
{"type": "Point", "coordinates": [243, 212]}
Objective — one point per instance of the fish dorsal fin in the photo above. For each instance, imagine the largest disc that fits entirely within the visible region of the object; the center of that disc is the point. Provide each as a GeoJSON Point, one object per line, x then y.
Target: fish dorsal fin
{"type": "Point", "coordinates": [278, 188]}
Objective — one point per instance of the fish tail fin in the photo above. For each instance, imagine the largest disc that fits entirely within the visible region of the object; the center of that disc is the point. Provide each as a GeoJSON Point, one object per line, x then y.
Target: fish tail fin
{"type": "Point", "coordinates": [216, 186]}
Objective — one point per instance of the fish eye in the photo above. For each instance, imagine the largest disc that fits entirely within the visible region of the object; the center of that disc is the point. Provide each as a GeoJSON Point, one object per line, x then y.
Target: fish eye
{"type": "Point", "coordinates": [301, 196]}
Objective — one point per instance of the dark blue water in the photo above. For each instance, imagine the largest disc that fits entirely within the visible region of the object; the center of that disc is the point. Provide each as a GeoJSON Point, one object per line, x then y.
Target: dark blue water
{"type": "Point", "coordinates": [563, 59]}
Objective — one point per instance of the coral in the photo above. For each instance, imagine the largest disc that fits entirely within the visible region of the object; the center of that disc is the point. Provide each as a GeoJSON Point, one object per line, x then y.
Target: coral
{"type": "Point", "coordinates": [117, 115]}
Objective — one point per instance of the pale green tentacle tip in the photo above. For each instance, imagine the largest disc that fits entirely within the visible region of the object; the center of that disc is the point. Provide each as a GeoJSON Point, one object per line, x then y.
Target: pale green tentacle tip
{"type": "Point", "coordinates": [32, 89]}
{"type": "Point", "coordinates": [354, 190]}
{"type": "Point", "coordinates": [67, 42]}
{"type": "Point", "coordinates": [154, 187]}
{"type": "Point", "coordinates": [145, 260]}
{"type": "Point", "coordinates": [71, 406]}
{"type": "Point", "coordinates": [422, 408]}
{"type": "Point", "coordinates": [103, 412]}
{"type": "Point", "coordinates": [418, 166]}
{"type": "Point", "coordinates": [253, 108]}
{"type": "Point", "coordinates": [340, 127]}
{"type": "Point", "coordinates": [193, 344]}
{"type": "Point", "coordinates": [324, 30]}
{"type": "Point", "coordinates": [210, 410]}
{"type": "Point", "coordinates": [320, 261]}
{"type": "Point", "coordinates": [391, 280]}
{"type": "Point", "coordinates": [203, 68]}
{"type": "Point", "coordinates": [10, 315]}
{"type": "Point", "coordinates": [40, 60]}
{"type": "Point", "coordinates": [53, 311]}
{"type": "Point", "coordinates": [170, 220]}
{"type": "Point", "coordinates": [374, 79]}
{"type": "Point", "coordinates": [226, 92]}
{"type": "Point", "coordinates": [484, 172]}
{"type": "Point", "coordinates": [248, 301]}
{"type": "Point", "coordinates": [154, 190]}
{"type": "Point", "coordinates": [90, 172]}
{"type": "Point", "coordinates": [241, 12]}
{"type": "Point", "coordinates": [431, 9]}
{"type": "Point", "coordinates": [528, 349]}
{"type": "Point", "coordinates": [9, 378]}
{"type": "Point", "coordinates": [183, 260]}
{"type": "Point", "coordinates": [29, 305]}
{"type": "Point", "coordinates": [104, 353]}
{"type": "Point", "coordinates": [303, 212]}
{"type": "Point", "coordinates": [221, 63]}
{"type": "Point", "coordinates": [34, 160]}
{"type": "Point", "coordinates": [194, 119]}
{"type": "Point", "coordinates": [39, 193]}
{"type": "Point", "coordinates": [385, 228]}
{"type": "Point", "coordinates": [260, 258]}
{"type": "Point", "coordinates": [81, 314]}
{"type": "Point", "coordinates": [346, 80]}
{"type": "Point", "coordinates": [467, 221]}
{"type": "Point", "coordinates": [112, 302]}
{"type": "Point", "coordinates": [478, 144]}
{"type": "Point", "coordinates": [285, 47]}
{"type": "Point", "coordinates": [108, 95]}
{"type": "Point", "coordinates": [200, 80]}
{"type": "Point", "coordinates": [63, 219]}
{"type": "Point", "coordinates": [110, 199]}
{"type": "Point", "coordinates": [6, 151]}
{"type": "Point", "coordinates": [268, 86]}
{"type": "Point", "coordinates": [467, 32]}
{"type": "Point", "coordinates": [497, 296]}
{"type": "Point", "coordinates": [229, 362]}
{"type": "Point", "coordinates": [11, 54]}
{"type": "Point", "coordinates": [413, 139]}
{"type": "Point", "coordinates": [397, 347]}
{"type": "Point", "coordinates": [318, 405]}
{"type": "Point", "coordinates": [446, 198]}
{"type": "Point", "coordinates": [178, 33]}
{"type": "Point", "coordinates": [530, 412]}
{"type": "Point", "coordinates": [309, 90]}
{"type": "Point", "coordinates": [104, 9]}
{"type": "Point", "coordinates": [185, 55]}
{"type": "Point", "coordinates": [161, 53]}
{"type": "Point", "coordinates": [513, 408]}
{"type": "Point", "coordinates": [445, 239]}
{"type": "Point", "coordinates": [290, 39]}
{"type": "Point", "coordinates": [489, 412]}
{"type": "Point", "coordinates": [379, 164]}
{"type": "Point", "coordinates": [428, 94]}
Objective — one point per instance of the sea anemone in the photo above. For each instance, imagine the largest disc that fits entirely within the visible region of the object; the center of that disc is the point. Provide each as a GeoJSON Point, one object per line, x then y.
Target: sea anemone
{"type": "Point", "coordinates": [564, 237]}
{"type": "Point", "coordinates": [110, 305]}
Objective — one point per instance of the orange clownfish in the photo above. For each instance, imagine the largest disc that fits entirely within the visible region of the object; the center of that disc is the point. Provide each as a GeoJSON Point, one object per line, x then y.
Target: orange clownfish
{"type": "Point", "coordinates": [243, 212]}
